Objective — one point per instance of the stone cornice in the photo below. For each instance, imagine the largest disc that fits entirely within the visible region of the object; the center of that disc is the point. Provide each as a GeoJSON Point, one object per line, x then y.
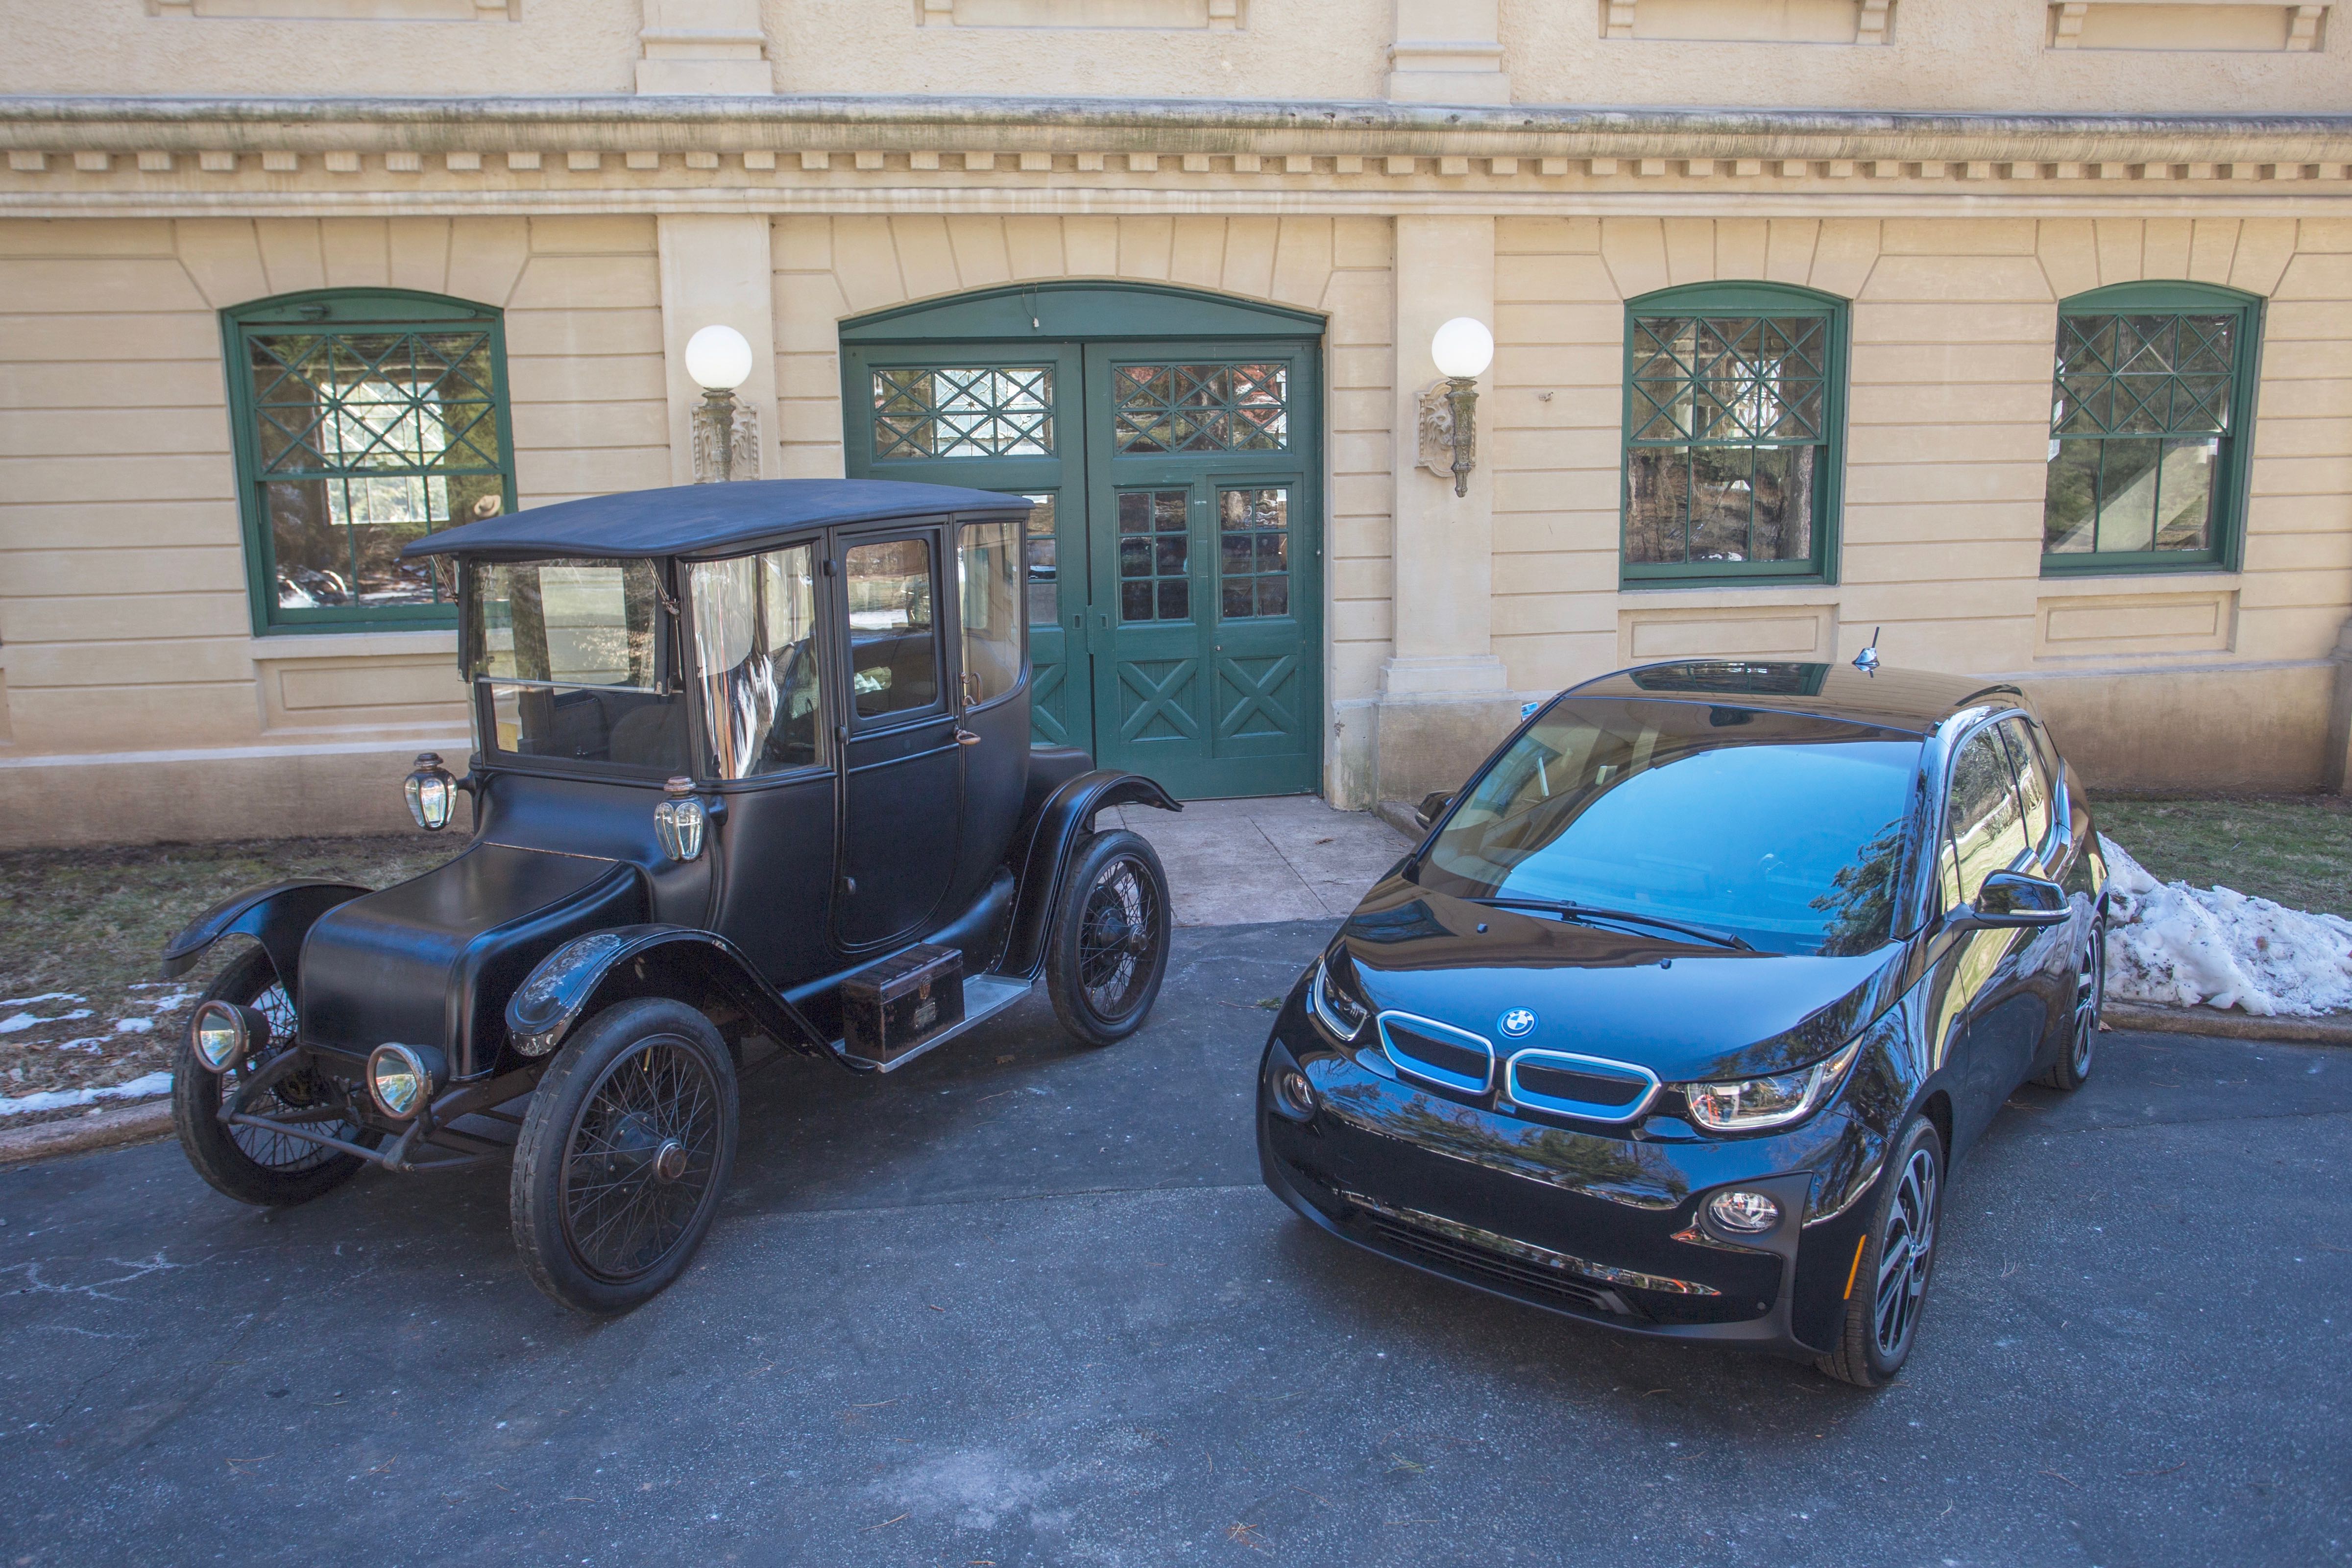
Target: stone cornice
{"type": "Point", "coordinates": [625, 123]}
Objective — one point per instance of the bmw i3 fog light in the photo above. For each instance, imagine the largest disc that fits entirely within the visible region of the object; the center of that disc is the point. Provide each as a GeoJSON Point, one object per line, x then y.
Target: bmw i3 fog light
{"type": "Point", "coordinates": [223, 1034]}
{"type": "Point", "coordinates": [1744, 1212]}
{"type": "Point", "coordinates": [402, 1078]}
{"type": "Point", "coordinates": [678, 821]}
{"type": "Point", "coordinates": [1293, 1094]}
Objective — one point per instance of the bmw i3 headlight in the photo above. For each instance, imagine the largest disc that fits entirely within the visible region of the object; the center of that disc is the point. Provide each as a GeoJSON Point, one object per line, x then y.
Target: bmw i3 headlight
{"type": "Point", "coordinates": [1754, 1104]}
{"type": "Point", "coordinates": [1335, 1005]}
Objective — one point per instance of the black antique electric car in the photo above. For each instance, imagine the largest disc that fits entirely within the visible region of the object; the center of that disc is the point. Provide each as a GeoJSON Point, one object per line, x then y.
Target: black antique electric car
{"type": "Point", "coordinates": [752, 770]}
{"type": "Point", "coordinates": [1676, 1017]}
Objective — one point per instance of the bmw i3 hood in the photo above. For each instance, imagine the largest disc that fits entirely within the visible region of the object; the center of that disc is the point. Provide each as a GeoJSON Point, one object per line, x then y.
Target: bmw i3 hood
{"type": "Point", "coordinates": [1687, 1011]}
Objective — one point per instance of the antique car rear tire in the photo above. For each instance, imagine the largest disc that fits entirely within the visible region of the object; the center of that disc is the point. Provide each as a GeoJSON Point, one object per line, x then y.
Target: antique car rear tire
{"type": "Point", "coordinates": [268, 1169]}
{"type": "Point", "coordinates": [2074, 1061]}
{"type": "Point", "coordinates": [1896, 1262]}
{"type": "Point", "coordinates": [1109, 948]}
{"type": "Point", "coordinates": [625, 1152]}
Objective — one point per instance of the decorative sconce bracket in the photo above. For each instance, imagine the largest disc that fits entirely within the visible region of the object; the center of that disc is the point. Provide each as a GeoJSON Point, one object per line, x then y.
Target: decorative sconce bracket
{"type": "Point", "coordinates": [1449, 430]}
{"type": "Point", "coordinates": [726, 438]}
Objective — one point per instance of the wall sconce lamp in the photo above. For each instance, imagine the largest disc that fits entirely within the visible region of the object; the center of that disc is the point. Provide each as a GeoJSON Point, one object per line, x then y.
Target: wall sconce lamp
{"type": "Point", "coordinates": [726, 434]}
{"type": "Point", "coordinates": [1462, 349]}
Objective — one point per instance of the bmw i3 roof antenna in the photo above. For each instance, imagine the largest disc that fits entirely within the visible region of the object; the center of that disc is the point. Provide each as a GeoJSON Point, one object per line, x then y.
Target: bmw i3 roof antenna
{"type": "Point", "coordinates": [1867, 660]}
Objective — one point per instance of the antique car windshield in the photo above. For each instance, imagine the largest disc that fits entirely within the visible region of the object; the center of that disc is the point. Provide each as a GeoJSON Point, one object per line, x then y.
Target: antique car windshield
{"type": "Point", "coordinates": [571, 663]}
{"type": "Point", "coordinates": [1788, 832]}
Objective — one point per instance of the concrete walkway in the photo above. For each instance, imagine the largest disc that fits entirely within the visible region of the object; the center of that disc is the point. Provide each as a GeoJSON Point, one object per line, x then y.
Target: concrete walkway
{"type": "Point", "coordinates": [1285, 857]}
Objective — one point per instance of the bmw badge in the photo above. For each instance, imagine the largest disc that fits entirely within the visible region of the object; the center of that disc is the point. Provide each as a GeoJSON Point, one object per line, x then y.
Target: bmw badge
{"type": "Point", "coordinates": [1518, 1024]}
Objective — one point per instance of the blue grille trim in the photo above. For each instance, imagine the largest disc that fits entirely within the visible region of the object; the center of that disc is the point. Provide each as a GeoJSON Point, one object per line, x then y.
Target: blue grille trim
{"type": "Point", "coordinates": [1432, 1072]}
{"type": "Point", "coordinates": [1585, 1110]}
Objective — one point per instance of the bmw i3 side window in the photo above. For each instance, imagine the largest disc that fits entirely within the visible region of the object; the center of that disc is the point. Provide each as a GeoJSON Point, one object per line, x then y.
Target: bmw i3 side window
{"type": "Point", "coordinates": [1985, 824]}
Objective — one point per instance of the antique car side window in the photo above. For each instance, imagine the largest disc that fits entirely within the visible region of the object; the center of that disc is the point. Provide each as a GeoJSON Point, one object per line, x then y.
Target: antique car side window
{"type": "Point", "coordinates": [1987, 831]}
{"type": "Point", "coordinates": [2033, 781]}
{"type": "Point", "coordinates": [572, 659]}
{"type": "Point", "coordinates": [988, 562]}
{"type": "Point", "coordinates": [894, 656]}
{"type": "Point", "coordinates": [755, 653]}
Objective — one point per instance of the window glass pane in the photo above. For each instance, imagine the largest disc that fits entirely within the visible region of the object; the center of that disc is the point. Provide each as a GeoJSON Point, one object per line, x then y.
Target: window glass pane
{"type": "Point", "coordinates": [572, 654]}
{"type": "Point", "coordinates": [2139, 420]}
{"type": "Point", "coordinates": [988, 588]}
{"type": "Point", "coordinates": [894, 654]}
{"type": "Point", "coordinates": [1044, 566]}
{"type": "Point", "coordinates": [1986, 826]}
{"type": "Point", "coordinates": [367, 440]}
{"type": "Point", "coordinates": [1002, 410]}
{"type": "Point", "coordinates": [1254, 551]}
{"type": "Point", "coordinates": [1727, 423]}
{"type": "Point", "coordinates": [1242, 407]}
{"type": "Point", "coordinates": [755, 648]}
{"type": "Point", "coordinates": [1154, 556]}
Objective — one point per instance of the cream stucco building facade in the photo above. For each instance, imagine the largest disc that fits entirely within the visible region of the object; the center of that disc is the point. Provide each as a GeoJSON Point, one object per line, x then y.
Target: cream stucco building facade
{"type": "Point", "coordinates": [1880, 232]}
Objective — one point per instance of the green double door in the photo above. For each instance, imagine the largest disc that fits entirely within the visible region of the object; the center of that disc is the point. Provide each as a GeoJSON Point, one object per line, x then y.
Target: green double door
{"type": "Point", "coordinates": [1174, 580]}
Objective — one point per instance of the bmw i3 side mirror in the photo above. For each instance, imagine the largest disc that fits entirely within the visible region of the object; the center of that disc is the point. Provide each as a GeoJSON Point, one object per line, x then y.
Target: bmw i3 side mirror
{"type": "Point", "coordinates": [2015, 898]}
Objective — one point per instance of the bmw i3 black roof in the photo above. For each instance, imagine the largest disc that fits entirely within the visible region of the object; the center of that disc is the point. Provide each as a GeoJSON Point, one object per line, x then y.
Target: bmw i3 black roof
{"type": "Point", "coordinates": [1916, 701]}
{"type": "Point", "coordinates": [704, 519]}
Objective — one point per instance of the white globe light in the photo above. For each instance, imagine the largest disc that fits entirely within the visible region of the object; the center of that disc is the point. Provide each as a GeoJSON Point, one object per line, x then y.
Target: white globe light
{"type": "Point", "coordinates": [1463, 347]}
{"type": "Point", "coordinates": [718, 358]}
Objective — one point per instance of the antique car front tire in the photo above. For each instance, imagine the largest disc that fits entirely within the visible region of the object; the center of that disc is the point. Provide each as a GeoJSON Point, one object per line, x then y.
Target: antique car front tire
{"type": "Point", "coordinates": [1895, 1265]}
{"type": "Point", "coordinates": [624, 1151]}
{"type": "Point", "coordinates": [270, 1170]}
{"type": "Point", "coordinates": [1110, 949]}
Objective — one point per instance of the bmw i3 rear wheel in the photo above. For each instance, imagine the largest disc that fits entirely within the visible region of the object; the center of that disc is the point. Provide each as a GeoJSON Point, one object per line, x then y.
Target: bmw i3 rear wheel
{"type": "Point", "coordinates": [625, 1152]}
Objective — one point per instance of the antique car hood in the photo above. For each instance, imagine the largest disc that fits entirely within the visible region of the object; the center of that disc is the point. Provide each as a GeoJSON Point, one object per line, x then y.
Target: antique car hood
{"type": "Point", "coordinates": [1682, 1008]}
{"type": "Point", "coordinates": [431, 960]}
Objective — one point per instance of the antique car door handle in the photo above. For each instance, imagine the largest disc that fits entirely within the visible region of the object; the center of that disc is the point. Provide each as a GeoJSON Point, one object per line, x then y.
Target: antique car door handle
{"type": "Point", "coordinates": [965, 738]}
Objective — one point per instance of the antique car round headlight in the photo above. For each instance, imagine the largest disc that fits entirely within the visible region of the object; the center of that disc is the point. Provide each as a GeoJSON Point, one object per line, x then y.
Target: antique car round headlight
{"type": "Point", "coordinates": [431, 792]}
{"type": "Point", "coordinates": [402, 1078]}
{"type": "Point", "coordinates": [223, 1034]}
{"type": "Point", "coordinates": [1744, 1212]}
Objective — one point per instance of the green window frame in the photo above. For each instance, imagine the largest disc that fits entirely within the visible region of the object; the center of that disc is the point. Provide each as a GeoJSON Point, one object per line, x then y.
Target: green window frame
{"type": "Point", "coordinates": [362, 420]}
{"type": "Point", "coordinates": [2151, 404]}
{"type": "Point", "coordinates": [1734, 445]}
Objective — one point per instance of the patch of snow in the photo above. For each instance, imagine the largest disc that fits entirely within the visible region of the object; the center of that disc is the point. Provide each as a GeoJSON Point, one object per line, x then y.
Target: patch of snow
{"type": "Point", "coordinates": [2180, 946]}
{"type": "Point", "coordinates": [90, 1042]}
{"type": "Point", "coordinates": [44, 997]}
{"type": "Point", "coordinates": [19, 1021]}
{"type": "Point", "coordinates": [134, 1026]}
{"type": "Point", "coordinates": [146, 1088]}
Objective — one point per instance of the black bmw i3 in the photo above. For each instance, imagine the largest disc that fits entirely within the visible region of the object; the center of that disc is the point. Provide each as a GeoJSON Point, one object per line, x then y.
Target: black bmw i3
{"type": "Point", "coordinates": [1677, 1017]}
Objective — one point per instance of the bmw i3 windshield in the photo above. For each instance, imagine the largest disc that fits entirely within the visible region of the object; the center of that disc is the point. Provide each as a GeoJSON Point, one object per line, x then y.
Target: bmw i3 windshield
{"type": "Point", "coordinates": [1781, 831]}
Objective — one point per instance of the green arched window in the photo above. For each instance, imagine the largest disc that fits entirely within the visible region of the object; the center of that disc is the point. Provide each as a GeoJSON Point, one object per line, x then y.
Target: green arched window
{"type": "Point", "coordinates": [1735, 432]}
{"type": "Point", "coordinates": [2149, 415]}
{"type": "Point", "coordinates": [363, 419]}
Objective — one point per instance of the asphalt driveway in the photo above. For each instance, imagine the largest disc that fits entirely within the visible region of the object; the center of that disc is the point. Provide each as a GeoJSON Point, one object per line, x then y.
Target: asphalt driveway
{"type": "Point", "coordinates": [1023, 1304]}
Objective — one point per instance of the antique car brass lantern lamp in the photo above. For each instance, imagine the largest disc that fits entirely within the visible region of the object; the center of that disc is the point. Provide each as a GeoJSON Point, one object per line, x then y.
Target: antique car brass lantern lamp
{"type": "Point", "coordinates": [431, 792]}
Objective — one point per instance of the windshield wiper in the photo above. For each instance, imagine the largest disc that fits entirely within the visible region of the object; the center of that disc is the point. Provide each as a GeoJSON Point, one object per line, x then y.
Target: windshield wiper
{"type": "Point", "coordinates": [1568, 909]}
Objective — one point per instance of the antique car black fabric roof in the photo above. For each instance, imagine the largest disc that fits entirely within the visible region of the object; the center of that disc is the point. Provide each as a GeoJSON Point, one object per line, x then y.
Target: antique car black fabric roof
{"type": "Point", "coordinates": [703, 519]}
{"type": "Point", "coordinates": [1913, 700]}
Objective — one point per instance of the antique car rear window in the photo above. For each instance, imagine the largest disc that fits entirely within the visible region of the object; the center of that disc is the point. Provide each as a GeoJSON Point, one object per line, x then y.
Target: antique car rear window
{"type": "Point", "coordinates": [572, 661]}
{"type": "Point", "coordinates": [1787, 830]}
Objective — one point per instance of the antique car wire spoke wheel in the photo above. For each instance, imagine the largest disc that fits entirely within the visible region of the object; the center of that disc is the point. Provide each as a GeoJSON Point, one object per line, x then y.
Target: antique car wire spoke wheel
{"type": "Point", "coordinates": [256, 1164]}
{"type": "Point", "coordinates": [1107, 952]}
{"type": "Point", "coordinates": [1906, 1254]}
{"type": "Point", "coordinates": [624, 1151]}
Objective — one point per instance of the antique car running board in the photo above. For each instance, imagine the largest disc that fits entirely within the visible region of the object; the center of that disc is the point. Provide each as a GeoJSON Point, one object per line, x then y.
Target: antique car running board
{"type": "Point", "coordinates": [984, 996]}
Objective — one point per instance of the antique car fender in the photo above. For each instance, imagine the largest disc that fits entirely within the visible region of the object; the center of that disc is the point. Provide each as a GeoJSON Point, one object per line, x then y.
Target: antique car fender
{"type": "Point", "coordinates": [590, 972]}
{"type": "Point", "coordinates": [278, 917]}
{"type": "Point", "coordinates": [1041, 849]}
